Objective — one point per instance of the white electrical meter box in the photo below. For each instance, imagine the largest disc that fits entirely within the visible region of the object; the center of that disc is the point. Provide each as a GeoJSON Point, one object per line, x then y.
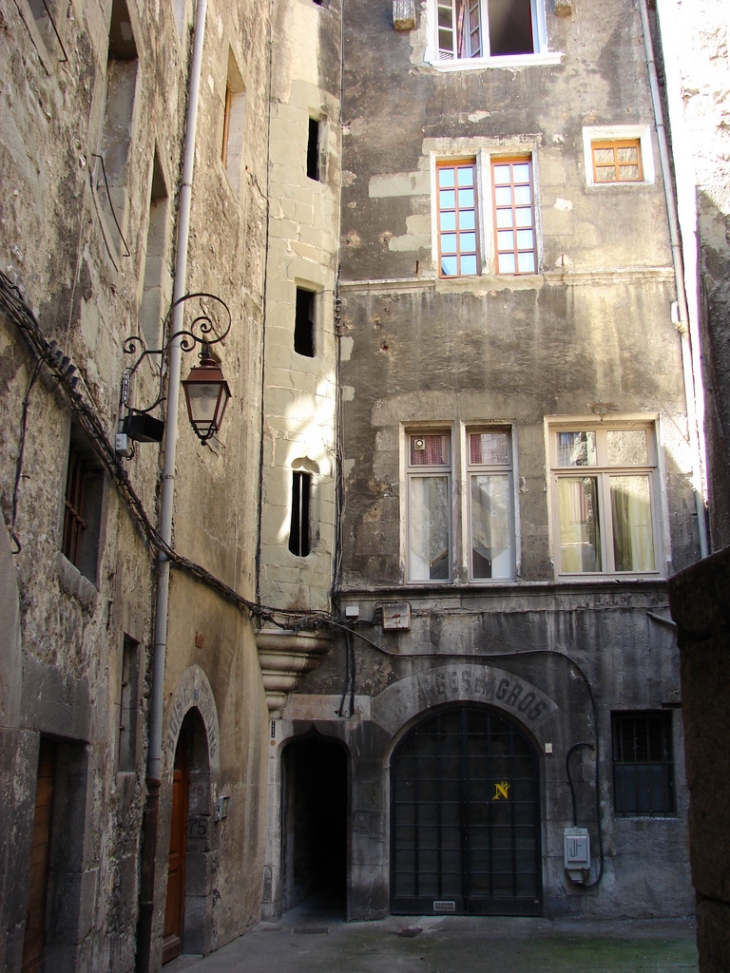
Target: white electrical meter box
{"type": "Point", "coordinates": [396, 616]}
{"type": "Point", "coordinates": [577, 853]}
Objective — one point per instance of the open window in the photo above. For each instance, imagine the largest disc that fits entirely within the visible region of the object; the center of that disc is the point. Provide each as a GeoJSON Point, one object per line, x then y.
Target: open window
{"type": "Point", "coordinates": [112, 167]}
{"type": "Point", "coordinates": [234, 112]}
{"type": "Point", "coordinates": [469, 29]}
{"type": "Point", "coordinates": [157, 283]}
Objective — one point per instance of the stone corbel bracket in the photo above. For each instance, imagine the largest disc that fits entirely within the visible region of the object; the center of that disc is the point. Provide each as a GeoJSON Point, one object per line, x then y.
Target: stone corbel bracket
{"type": "Point", "coordinates": [284, 658]}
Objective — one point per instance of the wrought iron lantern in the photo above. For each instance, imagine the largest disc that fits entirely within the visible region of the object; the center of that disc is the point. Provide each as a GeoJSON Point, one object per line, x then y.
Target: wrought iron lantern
{"type": "Point", "coordinates": [207, 395]}
{"type": "Point", "coordinates": [206, 390]}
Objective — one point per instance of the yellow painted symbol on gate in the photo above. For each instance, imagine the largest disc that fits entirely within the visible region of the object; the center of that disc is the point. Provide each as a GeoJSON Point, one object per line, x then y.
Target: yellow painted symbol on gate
{"type": "Point", "coordinates": [501, 792]}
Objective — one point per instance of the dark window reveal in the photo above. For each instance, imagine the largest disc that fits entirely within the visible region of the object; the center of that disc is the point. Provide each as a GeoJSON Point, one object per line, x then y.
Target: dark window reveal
{"type": "Point", "coordinates": [313, 169]}
{"type": "Point", "coordinates": [82, 510]}
{"type": "Point", "coordinates": [304, 323]}
{"type": "Point", "coordinates": [299, 542]}
{"type": "Point", "coordinates": [643, 764]}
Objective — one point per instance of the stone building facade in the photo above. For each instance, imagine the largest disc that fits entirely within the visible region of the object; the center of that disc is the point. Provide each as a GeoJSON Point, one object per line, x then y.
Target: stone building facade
{"type": "Point", "coordinates": [95, 118]}
{"type": "Point", "coordinates": [416, 626]}
{"type": "Point", "coordinates": [504, 347]}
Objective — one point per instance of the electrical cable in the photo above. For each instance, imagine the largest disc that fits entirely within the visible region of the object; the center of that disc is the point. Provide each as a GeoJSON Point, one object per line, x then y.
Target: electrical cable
{"type": "Point", "coordinates": [17, 310]}
{"type": "Point", "coordinates": [21, 452]}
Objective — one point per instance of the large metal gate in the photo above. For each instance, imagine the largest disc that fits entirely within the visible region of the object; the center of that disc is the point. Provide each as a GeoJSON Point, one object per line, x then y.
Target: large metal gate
{"type": "Point", "coordinates": [465, 817]}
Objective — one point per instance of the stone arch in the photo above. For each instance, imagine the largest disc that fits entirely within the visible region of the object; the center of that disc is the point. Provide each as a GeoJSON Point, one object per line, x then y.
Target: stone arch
{"type": "Point", "coordinates": [401, 705]}
{"type": "Point", "coordinates": [191, 765]}
{"type": "Point", "coordinates": [193, 690]}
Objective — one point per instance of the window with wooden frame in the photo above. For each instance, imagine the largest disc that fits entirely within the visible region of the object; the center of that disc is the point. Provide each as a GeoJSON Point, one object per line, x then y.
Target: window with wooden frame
{"type": "Point", "coordinates": [491, 531]}
{"type": "Point", "coordinates": [616, 160]}
{"type": "Point", "coordinates": [643, 764]}
{"type": "Point", "coordinates": [603, 498]}
{"type": "Point", "coordinates": [474, 535]}
{"type": "Point", "coordinates": [82, 510]}
{"type": "Point", "coordinates": [514, 216]}
{"type": "Point", "coordinates": [428, 472]}
{"type": "Point", "coordinates": [458, 236]}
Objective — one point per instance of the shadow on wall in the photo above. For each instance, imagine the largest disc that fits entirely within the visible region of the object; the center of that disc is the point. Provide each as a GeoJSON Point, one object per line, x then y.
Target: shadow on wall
{"type": "Point", "coordinates": [714, 226]}
{"type": "Point", "coordinates": [699, 604]}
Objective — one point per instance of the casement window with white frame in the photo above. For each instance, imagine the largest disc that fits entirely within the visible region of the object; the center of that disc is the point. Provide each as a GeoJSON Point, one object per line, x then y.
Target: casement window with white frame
{"type": "Point", "coordinates": [469, 29]}
{"type": "Point", "coordinates": [484, 508]}
{"type": "Point", "coordinates": [604, 498]}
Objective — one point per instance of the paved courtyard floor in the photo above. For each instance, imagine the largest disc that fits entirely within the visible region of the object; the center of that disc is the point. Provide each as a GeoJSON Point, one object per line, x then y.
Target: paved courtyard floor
{"type": "Point", "coordinates": [306, 941]}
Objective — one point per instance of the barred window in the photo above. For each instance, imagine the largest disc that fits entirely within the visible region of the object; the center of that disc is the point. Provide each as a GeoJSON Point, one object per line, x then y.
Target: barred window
{"type": "Point", "coordinates": [643, 764]}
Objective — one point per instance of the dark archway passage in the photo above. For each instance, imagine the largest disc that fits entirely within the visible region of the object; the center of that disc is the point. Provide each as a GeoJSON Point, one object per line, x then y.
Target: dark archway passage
{"type": "Point", "coordinates": [314, 840]}
{"type": "Point", "coordinates": [465, 817]}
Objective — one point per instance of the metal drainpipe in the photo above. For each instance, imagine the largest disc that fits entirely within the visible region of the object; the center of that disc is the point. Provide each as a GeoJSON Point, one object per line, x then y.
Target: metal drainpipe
{"type": "Point", "coordinates": [692, 377]}
{"type": "Point", "coordinates": [154, 755]}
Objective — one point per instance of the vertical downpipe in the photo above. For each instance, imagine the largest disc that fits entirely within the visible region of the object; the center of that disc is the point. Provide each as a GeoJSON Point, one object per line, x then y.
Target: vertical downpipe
{"type": "Point", "coordinates": [154, 756]}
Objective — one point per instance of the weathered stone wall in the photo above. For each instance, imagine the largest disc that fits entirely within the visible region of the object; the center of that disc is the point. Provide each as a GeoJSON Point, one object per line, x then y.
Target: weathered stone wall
{"type": "Point", "coordinates": [698, 598]}
{"type": "Point", "coordinates": [695, 38]}
{"type": "Point", "coordinates": [91, 284]}
{"type": "Point", "coordinates": [300, 389]}
{"type": "Point", "coordinates": [589, 334]}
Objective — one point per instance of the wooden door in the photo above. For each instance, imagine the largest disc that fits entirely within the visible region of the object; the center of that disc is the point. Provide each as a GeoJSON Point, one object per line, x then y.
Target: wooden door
{"type": "Point", "coordinates": [35, 923]}
{"type": "Point", "coordinates": [175, 902]}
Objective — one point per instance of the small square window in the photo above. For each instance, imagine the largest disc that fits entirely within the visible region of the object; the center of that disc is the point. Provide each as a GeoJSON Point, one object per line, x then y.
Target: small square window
{"type": "Point", "coordinates": [617, 160]}
{"type": "Point", "coordinates": [643, 764]}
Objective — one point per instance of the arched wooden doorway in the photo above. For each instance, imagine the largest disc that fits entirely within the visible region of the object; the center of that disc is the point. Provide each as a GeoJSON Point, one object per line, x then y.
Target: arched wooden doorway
{"type": "Point", "coordinates": [465, 817]}
{"type": "Point", "coordinates": [191, 831]}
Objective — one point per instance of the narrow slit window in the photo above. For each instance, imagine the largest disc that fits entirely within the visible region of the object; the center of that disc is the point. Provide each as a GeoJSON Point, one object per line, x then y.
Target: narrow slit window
{"type": "Point", "coordinates": [299, 534]}
{"type": "Point", "coordinates": [82, 510]}
{"type": "Point", "coordinates": [304, 323]}
{"type": "Point", "coordinates": [157, 279]}
{"type": "Point", "coordinates": [313, 164]}
{"type": "Point", "coordinates": [121, 84]}
{"type": "Point", "coordinates": [484, 28]}
{"type": "Point", "coordinates": [234, 112]}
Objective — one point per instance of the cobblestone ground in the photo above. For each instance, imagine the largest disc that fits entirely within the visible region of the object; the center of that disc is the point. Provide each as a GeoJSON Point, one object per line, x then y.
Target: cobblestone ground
{"type": "Point", "coordinates": [304, 942]}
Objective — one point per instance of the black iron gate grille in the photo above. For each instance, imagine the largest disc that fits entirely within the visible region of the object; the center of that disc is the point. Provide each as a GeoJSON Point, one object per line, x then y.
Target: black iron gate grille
{"type": "Point", "coordinates": [465, 817]}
